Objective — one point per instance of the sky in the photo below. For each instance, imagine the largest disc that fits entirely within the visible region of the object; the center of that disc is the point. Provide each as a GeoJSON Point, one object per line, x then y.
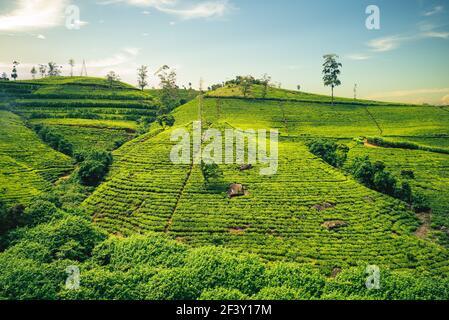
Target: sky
{"type": "Point", "coordinates": [405, 59]}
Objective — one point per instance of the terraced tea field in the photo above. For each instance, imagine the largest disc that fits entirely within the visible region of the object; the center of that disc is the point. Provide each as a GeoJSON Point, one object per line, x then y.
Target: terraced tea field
{"type": "Point", "coordinates": [281, 217]}
{"type": "Point", "coordinates": [86, 133]}
{"type": "Point", "coordinates": [28, 166]}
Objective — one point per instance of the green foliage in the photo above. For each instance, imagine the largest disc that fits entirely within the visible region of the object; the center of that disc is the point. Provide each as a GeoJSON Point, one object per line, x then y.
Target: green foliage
{"type": "Point", "coordinates": [331, 152]}
{"type": "Point", "coordinates": [149, 250]}
{"type": "Point", "coordinates": [26, 279]}
{"type": "Point", "coordinates": [169, 94]}
{"type": "Point", "coordinates": [222, 294]}
{"type": "Point", "coordinates": [54, 140]}
{"type": "Point", "coordinates": [212, 174]}
{"type": "Point", "coordinates": [41, 211]}
{"type": "Point", "coordinates": [166, 120]}
{"type": "Point", "coordinates": [94, 165]}
{"type": "Point", "coordinates": [68, 238]}
{"type": "Point", "coordinates": [331, 71]}
{"type": "Point", "coordinates": [420, 203]}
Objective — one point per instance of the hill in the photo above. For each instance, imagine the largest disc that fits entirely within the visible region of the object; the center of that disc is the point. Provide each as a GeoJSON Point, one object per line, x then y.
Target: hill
{"type": "Point", "coordinates": [278, 218]}
{"type": "Point", "coordinates": [160, 231]}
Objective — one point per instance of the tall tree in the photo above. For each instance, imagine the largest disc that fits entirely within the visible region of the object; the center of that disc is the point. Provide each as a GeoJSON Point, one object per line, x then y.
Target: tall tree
{"type": "Point", "coordinates": [42, 70]}
{"type": "Point", "coordinates": [169, 91]}
{"type": "Point", "coordinates": [33, 72]}
{"type": "Point", "coordinates": [266, 79]}
{"type": "Point", "coordinates": [71, 64]}
{"type": "Point", "coordinates": [142, 76]}
{"type": "Point", "coordinates": [53, 69]}
{"type": "Point", "coordinates": [112, 77]}
{"type": "Point", "coordinates": [331, 71]}
{"type": "Point", "coordinates": [245, 84]}
{"type": "Point", "coordinates": [14, 74]}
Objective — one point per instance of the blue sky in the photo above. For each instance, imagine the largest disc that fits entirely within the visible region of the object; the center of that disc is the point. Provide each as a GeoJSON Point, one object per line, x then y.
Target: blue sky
{"type": "Point", "coordinates": [405, 60]}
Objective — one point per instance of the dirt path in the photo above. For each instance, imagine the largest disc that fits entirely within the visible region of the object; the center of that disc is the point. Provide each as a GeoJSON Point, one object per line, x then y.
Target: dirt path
{"type": "Point", "coordinates": [426, 219]}
{"type": "Point", "coordinates": [369, 145]}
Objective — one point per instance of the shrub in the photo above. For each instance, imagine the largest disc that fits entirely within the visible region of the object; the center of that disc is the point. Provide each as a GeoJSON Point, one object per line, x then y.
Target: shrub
{"type": "Point", "coordinates": [405, 192]}
{"type": "Point", "coordinates": [54, 140]}
{"type": "Point", "coordinates": [384, 182]}
{"type": "Point", "coordinates": [166, 120]}
{"type": "Point", "coordinates": [222, 294]}
{"type": "Point", "coordinates": [148, 250]}
{"type": "Point", "coordinates": [41, 211]}
{"type": "Point", "coordinates": [420, 203]}
{"type": "Point", "coordinates": [331, 152]}
{"type": "Point", "coordinates": [213, 267]}
{"type": "Point", "coordinates": [91, 172]}
{"type": "Point", "coordinates": [10, 217]}
{"type": "Point", "coordinates": [281, 293]}
{"type": "Point", "coordinates": [212, 175]}
{"type": "Point", "coordinates": [363, 171]}
{"type": "Point", "coordinates": [94, 166]}
{"type": "Point", "coordinates": [26, 279]}
{"type": "Point", "coordinates": [408, 174]}
{"type": "Point", "coordinates": [294, 276]}
{"type": "Point", "coordinates": [69, 238]}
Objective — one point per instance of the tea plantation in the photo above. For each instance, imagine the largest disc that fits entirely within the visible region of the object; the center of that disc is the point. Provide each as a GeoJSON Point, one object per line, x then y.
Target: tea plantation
{"type": "Point", "coordinates": [156, 230]}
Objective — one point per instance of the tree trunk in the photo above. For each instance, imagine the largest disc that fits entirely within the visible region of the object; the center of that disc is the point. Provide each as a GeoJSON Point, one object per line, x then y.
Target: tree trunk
{"type": "Point", "coordinates": [332, 95]}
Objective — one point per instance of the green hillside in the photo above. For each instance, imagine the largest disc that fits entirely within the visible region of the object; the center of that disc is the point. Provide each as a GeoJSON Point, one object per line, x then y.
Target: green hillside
{"type": "Point", "coordinates": [28, 166]}
{"type": "Point", "coordinates": [278, 219]}
{"type": "Point", "coordinates": [155, 230]}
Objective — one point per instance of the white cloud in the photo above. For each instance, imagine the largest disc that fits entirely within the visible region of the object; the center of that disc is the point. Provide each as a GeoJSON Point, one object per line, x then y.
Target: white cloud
{"type": "Point", "coordinates": [434, 34]}
{"type": "Point", "coordinates": [445, 100]}
{"type": "Point", "coordinates": [433, 11]}
{"type": "Point", "coordinates": [386, 44]}
{"type": "Point", "coordinates": [406, 93]}
{"type": "Point", "coordinates": [41, 36]}
{"type": "Point", "coordinates": [33, 15]}
{"type": "Point", "coordinates": [208, 9]}
{"type": "Point", "coordinates": [390, 43]}
{"type": "Point", "coordinates": [205, 9]}
{"type": "Point", "coordinates": [124, 56]}
{"type": "Point", "coordinates": [358, 57]}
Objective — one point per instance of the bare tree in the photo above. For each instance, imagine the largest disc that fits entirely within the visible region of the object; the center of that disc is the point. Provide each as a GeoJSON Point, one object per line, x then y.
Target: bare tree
{"type": "Point", "coordinates": [53, 69]}
{"type": "Point", "coordinates": [71, 64]}
{"type": "Point", "coordinates": [33, 72]}
{"type": "Point", "coordinates": [142, 76]}
{"type": "Point", "coordinates": [266, 79]}
{"type": "Point", "coordinates": [112, 77]}
{"type": "Point", "coordinates": [42, 70]}
{"type": "Point", "coordinates": [14, 74]}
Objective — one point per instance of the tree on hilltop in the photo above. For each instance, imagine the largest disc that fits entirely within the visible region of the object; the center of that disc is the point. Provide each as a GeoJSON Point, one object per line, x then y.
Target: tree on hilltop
{"type": "Point", "coordinates": [14, 74]}
{"type": "Point", "coordinates": [331, 71]}
{"type": "Point", "coordinates": [33, 72]}
{"type": "Point", "coordinates": [112, 77]}
{"type": "Point", "coordinates": [142, 77]}
{"type": "Point", "coordinates": [71, 64]}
